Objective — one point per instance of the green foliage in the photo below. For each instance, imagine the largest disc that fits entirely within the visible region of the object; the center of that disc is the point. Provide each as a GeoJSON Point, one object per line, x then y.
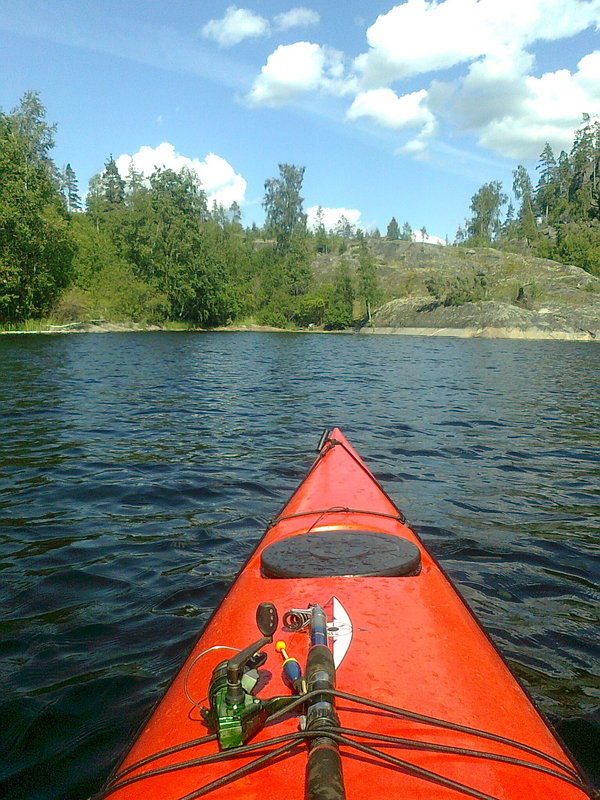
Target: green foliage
{"type": "Point", "coordinates": [407, 232]}
{"type": "Point", "coordinates": [310, 311]}
{"type": "Point", "coordinates": [28, 123]}
{"type": "Point", "coordinates": [486, 205]}
{"type": "Point", "coordinates": [393, 229]}
{"type": "Point", "coordinates": [339, 298]}
{"type": "Point", "coordinates": [36, 245]}
{"type": "Point", "coordinates": [457, 290]}
{"type": "Point", "coordinates": [579, 244]}
{"type": "Point", "coordinates": [283, 205]}
{"type": "Point", "coordinates": [368, 289]}
{"type": "Point", "coordinates": [526, 228]}
{"type": "Point", "coordinates": [321, 238]}
{"type": "Point", "coordinates": [118, 294]}
{"type": "Point", "coordinates": [95, 250]}
{"type": "Point", "coordinates": [297, 263]}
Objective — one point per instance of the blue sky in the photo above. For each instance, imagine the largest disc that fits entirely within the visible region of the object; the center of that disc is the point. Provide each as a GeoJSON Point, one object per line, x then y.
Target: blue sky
{"type": "Point", "coordinates": [395, 110]}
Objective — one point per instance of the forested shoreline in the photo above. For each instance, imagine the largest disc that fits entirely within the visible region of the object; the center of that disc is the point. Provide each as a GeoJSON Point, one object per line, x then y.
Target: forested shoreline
{"type": "Point", "coordinates": [153, 249]}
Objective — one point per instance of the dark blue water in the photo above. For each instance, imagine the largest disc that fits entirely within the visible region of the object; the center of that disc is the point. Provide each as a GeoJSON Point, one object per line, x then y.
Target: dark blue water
{"type": "Point", "coordinates": [138, 470]}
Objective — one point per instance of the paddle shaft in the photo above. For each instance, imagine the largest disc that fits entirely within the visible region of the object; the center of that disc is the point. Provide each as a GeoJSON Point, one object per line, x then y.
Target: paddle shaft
{"type": "Point", "coordinates": [324, 779]}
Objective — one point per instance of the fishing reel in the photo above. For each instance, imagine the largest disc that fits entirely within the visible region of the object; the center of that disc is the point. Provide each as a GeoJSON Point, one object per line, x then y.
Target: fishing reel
{"type": "Point", "coordinates": [235, 714]}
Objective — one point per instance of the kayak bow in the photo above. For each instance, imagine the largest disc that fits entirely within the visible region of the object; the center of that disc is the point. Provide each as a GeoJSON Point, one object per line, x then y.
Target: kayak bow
{"type": "Point", "coordinates": [403, 695]}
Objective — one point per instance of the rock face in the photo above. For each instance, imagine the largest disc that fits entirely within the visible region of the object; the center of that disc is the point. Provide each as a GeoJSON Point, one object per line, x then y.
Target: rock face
{"type": "Point", "coordinates": [488, 318]}
{"type": "Point", "coordinates": [454, 291]}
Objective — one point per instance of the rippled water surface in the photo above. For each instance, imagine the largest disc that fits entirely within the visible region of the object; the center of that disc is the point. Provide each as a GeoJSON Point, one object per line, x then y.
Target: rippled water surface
{"type": "Point", "coordinates": [138, 470]}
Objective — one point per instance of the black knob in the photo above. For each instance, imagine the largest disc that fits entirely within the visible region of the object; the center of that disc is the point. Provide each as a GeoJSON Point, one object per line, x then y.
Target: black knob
{"type": "Point", "coordinates": [267, 619]}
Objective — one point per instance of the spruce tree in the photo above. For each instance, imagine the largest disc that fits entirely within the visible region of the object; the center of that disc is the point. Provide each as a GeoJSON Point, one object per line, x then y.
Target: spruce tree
{"type": "Point", "coordinates": [523, 191]}
{"type": "Point", "coordinates": [393, 230]}
{"type": "Point", "coordinates": [71, 190]}
{"type": "Point", "coordinates": [113, 187]}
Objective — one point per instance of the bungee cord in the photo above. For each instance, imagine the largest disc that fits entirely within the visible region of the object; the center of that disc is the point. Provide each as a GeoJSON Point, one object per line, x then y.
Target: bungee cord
{"type": "Point", "coordinates": [287, 742]}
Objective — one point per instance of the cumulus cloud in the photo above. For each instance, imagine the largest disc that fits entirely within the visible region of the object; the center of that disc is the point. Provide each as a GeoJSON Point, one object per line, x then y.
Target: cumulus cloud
{"type": "Point", "coordinates": [331, 216]}
{"type": "Point", "coordinates": [292, 70]}
{"type": "Point", "coordinates": [422, 36]}
{"type": "Point", "coordinates": [498, 97]}
{"type": "Point", "coordinates": [408, 112]}
{"type": "Point", "coordinates": [218, 178]}
{"type": "Point", "coordinates": [398, 113]}
{"type": "Point", "coordinates": [513, 112]}
{"type": "Point", "coordinates": [495, 92]}
{"type": "Point", "coordinates": [237, 24]}
{"type": "Point", "coordinates": [241, 23]}
{"type": "Point", "coordinates": [296, 18]}
{"type": "Point", "coordinates": [416, 148]}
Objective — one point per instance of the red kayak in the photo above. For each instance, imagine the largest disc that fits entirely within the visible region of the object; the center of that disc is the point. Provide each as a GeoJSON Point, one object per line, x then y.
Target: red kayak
{"type": "Point", "coordinates": [343, 663]}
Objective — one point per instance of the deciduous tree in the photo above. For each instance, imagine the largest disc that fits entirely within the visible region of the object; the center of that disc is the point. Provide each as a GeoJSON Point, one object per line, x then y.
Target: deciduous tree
{"type": "Point", "coordinates": [283, 205]}
{"type": "Point", "coordinates": [486, 205]}
{"type": "Point", "coordinates": [36, 245]}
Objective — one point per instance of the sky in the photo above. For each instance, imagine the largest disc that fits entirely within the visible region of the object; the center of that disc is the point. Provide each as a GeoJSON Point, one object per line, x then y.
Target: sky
{"type": "Point", "coordinates": [394, 110]}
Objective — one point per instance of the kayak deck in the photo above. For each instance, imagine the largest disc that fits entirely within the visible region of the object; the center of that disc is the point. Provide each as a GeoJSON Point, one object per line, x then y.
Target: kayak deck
{"type": "Point", "coordinates": [401, 637]}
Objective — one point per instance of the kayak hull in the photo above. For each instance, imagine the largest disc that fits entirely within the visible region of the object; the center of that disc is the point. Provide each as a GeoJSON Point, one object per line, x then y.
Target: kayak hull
{"type": "Point", "coordinates": [405, 640]}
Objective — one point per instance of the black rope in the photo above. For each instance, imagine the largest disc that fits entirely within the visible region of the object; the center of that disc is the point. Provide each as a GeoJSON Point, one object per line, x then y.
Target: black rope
{"type": "Point", "coordinates": [168, 751]}
{"type": "Point", "coordinates": [413, 744]}
{"type": "Point", "coordinates": [412, 769]}
{"type": "Point", "coordinates": [240, 772]}
{"type": "Point", "coordinates": [291, 739]}
{"type": "Point", "coordinates": [221, 755]}
{"type": "Point", "coordinates": [456, 727]}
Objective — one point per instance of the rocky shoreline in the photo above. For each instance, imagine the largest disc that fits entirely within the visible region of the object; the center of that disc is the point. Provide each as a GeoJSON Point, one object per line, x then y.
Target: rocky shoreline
{"type": "Point", "coordinates": [532, 332]}
{"type": "Point", "coordinates": [487, 333]}
{"type": "Point", "coordinates": [488, 319]}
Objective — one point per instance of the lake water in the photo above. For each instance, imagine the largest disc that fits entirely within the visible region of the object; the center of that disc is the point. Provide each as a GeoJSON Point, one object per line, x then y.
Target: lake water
{"type": "Point", "coordinates": [137, 471]}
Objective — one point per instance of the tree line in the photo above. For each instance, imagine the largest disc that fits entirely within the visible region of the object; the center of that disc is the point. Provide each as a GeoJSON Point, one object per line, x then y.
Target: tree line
{"type": "Point", "coordinates": [558, 218]}
{"type": "Point", "coordinates": [153, 248]}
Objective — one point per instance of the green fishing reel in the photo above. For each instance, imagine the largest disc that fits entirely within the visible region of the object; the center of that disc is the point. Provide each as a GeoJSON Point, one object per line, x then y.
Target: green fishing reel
{"type": "Point", "coordinates": [235, 714]}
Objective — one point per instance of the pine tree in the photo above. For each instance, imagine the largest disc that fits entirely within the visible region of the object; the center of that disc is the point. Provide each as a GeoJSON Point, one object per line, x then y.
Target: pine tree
{"type": "Point", "coordinates": [71, 190]}
{"type": "Point", "coordinates": [393, 230]}
{"type": "Point", "coordinates": [523, 191]}
{"type": "Point", "coordinates": [546, 192]}
{"type": "Point", "coordinates": [113, 186]}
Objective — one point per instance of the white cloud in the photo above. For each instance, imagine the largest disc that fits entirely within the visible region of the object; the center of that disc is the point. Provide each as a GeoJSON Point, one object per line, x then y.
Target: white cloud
{"type": "Point", "coordinates": [241, 23]}
{"type": "Point", "coordinates": [495, 93]}
{"type": "Point", "coordinates": [398, 113]}
{"type": "Point", "coordinates": [499, 98]}
{"type": "Point", "coordinates": [292, 70]}
{"type": "Point", "coordinates": [420, 36]}
{"type": "Point", "coordinates": [417, 148]}
{"type": "Point", "coordinates": [331, 216]}
{"type": "Point", "coordinates": [515, 113]}
{"type": "Point", "coordinates": [237, 24]}
{"type": "Point", "coordinates": [417, 236]}
{"type": "Point", "coordinates": [296, 17]}
{"type": "Point", "coordinates": [218, 178]}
